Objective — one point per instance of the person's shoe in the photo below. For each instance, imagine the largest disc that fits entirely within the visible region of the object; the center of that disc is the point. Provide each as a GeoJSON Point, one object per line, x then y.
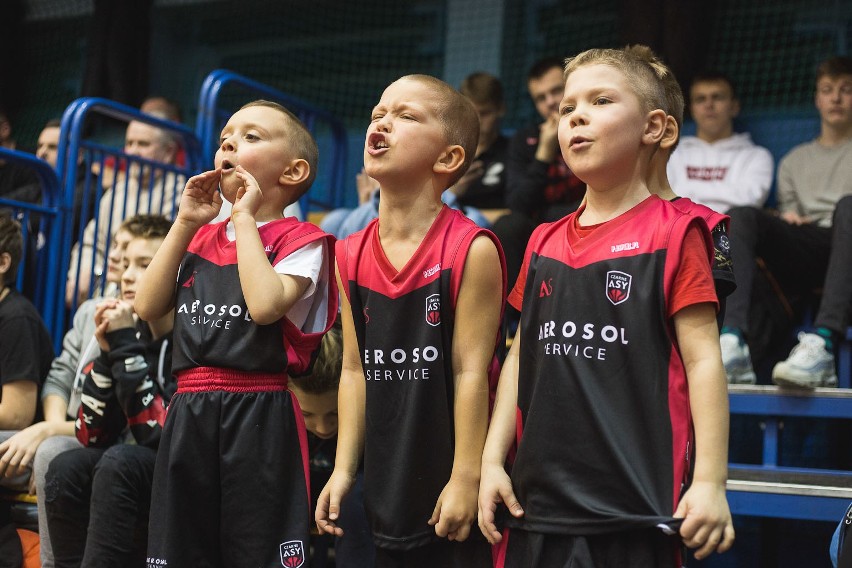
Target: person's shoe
{"type": "Point", "coordinates": [737, 360]}
{"type": "Point", "coordinates": [809, 365]}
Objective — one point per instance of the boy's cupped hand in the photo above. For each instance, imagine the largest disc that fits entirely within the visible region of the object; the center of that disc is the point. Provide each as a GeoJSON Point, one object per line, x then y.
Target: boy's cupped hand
{"type": "Point", "coordinates": [707, 524]}
{"type": "Point", "coordinates": [249, 197]}
{"type": "Point", "coordinates": [455, 510]}
{"type": "Point", "coordinates": [201, 200]}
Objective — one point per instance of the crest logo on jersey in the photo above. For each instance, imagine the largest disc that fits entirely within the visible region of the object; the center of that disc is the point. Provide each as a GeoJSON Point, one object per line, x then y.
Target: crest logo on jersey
{"type": "Point", "coordinates": [292, 554]}
{"type": "Point", "coordinates": [433, 310]}
{"type": "Point", "coordinates": [618, 286]}
{"type": "Point", "coordinates": [191, 280]}
{"type": "Point", "coordinates": [546, 288]}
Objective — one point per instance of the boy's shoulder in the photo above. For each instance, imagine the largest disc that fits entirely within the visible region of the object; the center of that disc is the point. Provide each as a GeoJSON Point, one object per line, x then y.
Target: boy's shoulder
{"type": "Point", "coordinates": [711, 216]}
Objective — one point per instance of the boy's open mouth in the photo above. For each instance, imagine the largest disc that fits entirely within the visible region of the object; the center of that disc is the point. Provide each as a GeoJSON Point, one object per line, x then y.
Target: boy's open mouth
{"type": "Point", "coordinates": [376, 142]}
{"type": "Point", "coordinates": [228, 166]}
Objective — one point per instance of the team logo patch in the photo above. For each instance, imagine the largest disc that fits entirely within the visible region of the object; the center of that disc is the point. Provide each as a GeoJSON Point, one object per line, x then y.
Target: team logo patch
{"type": "Point", "coordinates": [433, 310]}
{"type": "Point", "coordinates": [292, 554]}
{"type": "Point", "coordinates": [618, 286]}
{"type": "Point", "coordinates": [191, 280]}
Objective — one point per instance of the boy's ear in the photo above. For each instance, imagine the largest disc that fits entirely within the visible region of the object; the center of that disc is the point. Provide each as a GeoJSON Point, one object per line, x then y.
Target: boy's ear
{"type": "Point", "coordinates": [655, 127]}
{"type": "Point", "coordinates": [5, 263]}
{"type": "Point", "coordinates": [670, 133]}
{"type": "Point", "coordinates": [296, 172]}
{"type": "Point", "coordinates": [450, 160]}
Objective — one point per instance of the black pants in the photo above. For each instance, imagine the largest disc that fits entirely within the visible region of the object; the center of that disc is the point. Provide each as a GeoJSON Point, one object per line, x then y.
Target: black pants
{"type": "Point", "coordinates": [97, 504]}
{"type": "Point", "coordinates": [800, 257]}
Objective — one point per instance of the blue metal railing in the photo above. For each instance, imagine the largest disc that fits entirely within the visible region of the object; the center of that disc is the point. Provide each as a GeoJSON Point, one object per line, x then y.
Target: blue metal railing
{"type": "Point", "coordinates": [148, 178]}
{"type": "Point", "coordinates": [46, 244]}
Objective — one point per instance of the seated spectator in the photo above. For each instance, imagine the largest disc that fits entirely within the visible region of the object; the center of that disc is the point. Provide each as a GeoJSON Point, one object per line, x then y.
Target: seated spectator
{"type": "Point", "coordinates": [140, 189]}
{"type": "Point", "coordinates": [97, 497]}
{"type": "Point", "coordinates": [25, 346]}
{"type": "Point", "coordinates": [343, 222]}
{"type": "Point", "coordinates": [317, 396]}
{"type": "Point", "coordinates": [47, 150]}
{"type": "Point", "coordinates": [717, 167]}
{"type": "Point", "coordinates": [26, 454]}
{"type": "Point", "coordinates": [16, 182]}
{"type": "Point", "coordinates": [658, 184]}
{"type": "Point", "coordinates": [539, 185]}
{"type": "Point", "coordinates": [807, 244]}
{"type": "Point", "coordinates": [484, 183]}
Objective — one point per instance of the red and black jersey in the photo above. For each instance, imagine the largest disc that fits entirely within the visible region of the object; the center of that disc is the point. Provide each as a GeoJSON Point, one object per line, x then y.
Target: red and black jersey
{"type": "Point", "coordinates": [212, 325]}
{"type": "Point", "coordinates": [404, 323]}
{"type": "Point", "coordinates": [605, 433]}
{"type": "Point", "coordinates": [718, 224]}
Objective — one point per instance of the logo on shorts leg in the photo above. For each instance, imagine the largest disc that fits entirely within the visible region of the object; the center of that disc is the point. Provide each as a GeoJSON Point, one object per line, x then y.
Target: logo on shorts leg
{"type": "Point", "coordinates": [292, 554]}
{"type": "Point", "coordinates": [433, 310]}
{"type": "Point", "coordinates": [618, 286]}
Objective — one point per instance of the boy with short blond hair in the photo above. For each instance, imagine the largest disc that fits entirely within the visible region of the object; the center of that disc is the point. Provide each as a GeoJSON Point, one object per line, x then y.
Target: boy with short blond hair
{"type": "Point", "coordinates": [253, 298]}
{"type": "Point", "coordinates": [617, 357]}
{"type": "Point", "coordinates": [423, 300]}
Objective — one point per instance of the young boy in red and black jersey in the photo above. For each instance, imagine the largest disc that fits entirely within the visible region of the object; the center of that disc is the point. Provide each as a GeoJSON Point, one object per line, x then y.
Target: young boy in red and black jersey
{"type": "Point", "coordinates": [616, 374]}
{"type": "Point", "coordinates": [252, 299]}
{"type": "Point", "coordinates": [423, 298]}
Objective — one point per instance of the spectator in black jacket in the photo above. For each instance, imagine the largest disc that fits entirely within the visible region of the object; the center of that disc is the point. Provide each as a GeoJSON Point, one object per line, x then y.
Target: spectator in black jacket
{"type": "Point", "coordinates": [539, 186]}
{"type": "Point", "coordinates": [97, 497]}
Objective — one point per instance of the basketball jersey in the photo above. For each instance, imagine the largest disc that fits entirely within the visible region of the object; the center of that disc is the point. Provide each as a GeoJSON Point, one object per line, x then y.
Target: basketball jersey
{"type": "Point", "coordinates": [404, 325]}
{"type": "Point", "coordinates": [605, 433]}
{"type": "Point", "coordinates": [213, 327]}
{"type": "Point", "coordinates": [717, 223]}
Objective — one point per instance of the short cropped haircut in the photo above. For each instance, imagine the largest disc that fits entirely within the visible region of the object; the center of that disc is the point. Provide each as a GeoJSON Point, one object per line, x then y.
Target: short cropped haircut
{"type": "Point", "coordinates": [644, 72]}
{"type": "Point", "coordinates": [52, 123]}
{"type": "Point", "coordinates": [543, 65]}
{"type": "Point", "coordinates": [300, 139]}
{"type": "Point", "coordinates": [146, 226]}
{"type": "Point", "coordinates": [483, 89]}
{"type": "Point", "coordinates": [325, 376]}
{"type": "Point", "coordinates": [834, 67]}
{"type": "Point", "coordinates": [11, 242]}
{"type": "Point", "coordinates": [458, 118]}
{"type": "Point", "coordinates": [713, 76]}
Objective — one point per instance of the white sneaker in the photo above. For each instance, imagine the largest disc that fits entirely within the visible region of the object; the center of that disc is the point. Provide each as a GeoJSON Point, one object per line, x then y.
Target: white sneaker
{"type": "Point", "coordinates": [809, 365]}
{"type": "Point", "coordinates": [737, 360]}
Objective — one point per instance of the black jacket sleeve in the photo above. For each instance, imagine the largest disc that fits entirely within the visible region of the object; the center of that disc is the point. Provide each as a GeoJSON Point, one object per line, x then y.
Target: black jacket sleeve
{"type": "Point", "coordinates": [526, 177]}
{"type": "Point", "coordinates": [122, 390]}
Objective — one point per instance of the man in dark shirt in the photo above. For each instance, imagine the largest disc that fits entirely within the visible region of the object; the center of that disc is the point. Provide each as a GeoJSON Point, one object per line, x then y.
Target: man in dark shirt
{"type": "Point", "coordinates": [539, 186]}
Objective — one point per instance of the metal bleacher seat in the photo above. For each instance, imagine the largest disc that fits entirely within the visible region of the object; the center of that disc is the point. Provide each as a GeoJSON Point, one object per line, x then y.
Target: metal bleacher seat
{"type": "Point", "coordinates": [772, 490]}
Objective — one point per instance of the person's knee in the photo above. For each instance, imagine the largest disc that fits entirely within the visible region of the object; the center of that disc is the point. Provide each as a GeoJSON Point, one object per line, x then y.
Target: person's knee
{"type": "Point", "coordinates": [744, 214]}
{"type": "Point", "coordinates": [124, 464]}
{"type": "Point", "coordinates": [65, 477]}
{"type": "Point", "coordinates": [49, 449]}
{"type": "Point", "coordinates": [843, 211]}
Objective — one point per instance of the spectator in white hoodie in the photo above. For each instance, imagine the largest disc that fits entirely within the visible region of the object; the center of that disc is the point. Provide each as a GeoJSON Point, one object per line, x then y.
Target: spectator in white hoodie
{"type": "Point", "coordinates": [717, 167]}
